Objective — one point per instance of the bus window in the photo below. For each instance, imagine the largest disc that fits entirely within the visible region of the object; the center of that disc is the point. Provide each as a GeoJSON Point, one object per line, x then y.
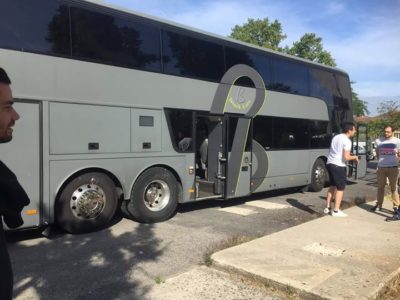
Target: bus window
{"type": "Point", "coordinates": [180, 123]}
{"type": "Point", "coordinates": [28, 26]}
{"type": "Point", "coordinates": [187, 56]}
{"type": "Point", "coordinates": [114, 40]}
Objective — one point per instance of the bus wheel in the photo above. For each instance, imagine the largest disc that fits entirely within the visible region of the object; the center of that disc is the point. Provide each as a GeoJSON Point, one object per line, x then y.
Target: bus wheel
{"type": "Point", "coordinates": [87, 203]}
{"type": "Point", "coordinates": [318, 176]}
{"type": "Point", "coordinates": [154, 196]}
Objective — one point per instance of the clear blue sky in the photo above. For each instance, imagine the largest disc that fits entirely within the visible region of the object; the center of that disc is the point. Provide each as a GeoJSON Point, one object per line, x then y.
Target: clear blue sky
{"type": "Point", "coordinates": [362, 35]}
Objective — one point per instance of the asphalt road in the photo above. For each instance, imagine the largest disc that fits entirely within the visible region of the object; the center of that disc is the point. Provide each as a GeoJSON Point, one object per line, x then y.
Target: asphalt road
{"type": "Point", "coordinates": [129, 258]}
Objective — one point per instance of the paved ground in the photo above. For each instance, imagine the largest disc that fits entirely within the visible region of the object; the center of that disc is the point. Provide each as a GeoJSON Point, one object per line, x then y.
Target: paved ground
{"type": "Point", "coordinates": [126, 260]}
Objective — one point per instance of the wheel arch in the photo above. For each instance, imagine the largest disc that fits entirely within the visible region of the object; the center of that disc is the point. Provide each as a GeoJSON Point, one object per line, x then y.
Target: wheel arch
{"type": "Point", "coordinates": [72, 176]}
{"type": "Point", "coordinates": [315, 184]}
{"type": "Point", "coordinates": [314, 158]}
{"type": "Point", "coordinates": [325, 159]}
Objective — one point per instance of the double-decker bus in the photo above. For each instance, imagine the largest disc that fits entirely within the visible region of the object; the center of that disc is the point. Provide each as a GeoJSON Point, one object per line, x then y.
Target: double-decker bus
{"type": "Point", "coordinates": [119, 109]}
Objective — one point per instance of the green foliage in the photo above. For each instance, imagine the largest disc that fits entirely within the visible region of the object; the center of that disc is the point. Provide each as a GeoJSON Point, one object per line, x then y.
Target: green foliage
{"type": "Point", "coordinates": [376, 125]}
{"type": "Point", "coordinates": [360, 107]}
{"type": "Point", "coordinates": [207, 260]}
{"type": "Point", "coordinates": [389, 115]}
{"type": "Point", "coordinates": [269, 35]}
{"type": "Point", "coordinates": [310, 47]}
{"type": "Point", "coordinates": [260, 32]}
{"type": "Point", "coordinates": [388, 107]}
{"type": "Point", "coordinates": [158, 280]}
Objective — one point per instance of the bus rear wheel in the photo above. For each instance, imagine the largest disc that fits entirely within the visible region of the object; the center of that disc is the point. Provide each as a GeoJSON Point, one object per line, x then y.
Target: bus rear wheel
{"type": "Point", "coordinates": [155, 196]}
{"type": "Point", "coordinates": [87, 203]}
{"type": "Point", "coordinates": [319, 176]}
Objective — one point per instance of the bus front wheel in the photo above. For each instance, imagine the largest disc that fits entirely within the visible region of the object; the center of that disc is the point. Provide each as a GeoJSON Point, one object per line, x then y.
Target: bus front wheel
{"type": "Point", "coordinates": [319, 175]}
{"type": "Point", "coordinates": [87, 203]}
{"type": "Point", "coordinates": [154, 197]}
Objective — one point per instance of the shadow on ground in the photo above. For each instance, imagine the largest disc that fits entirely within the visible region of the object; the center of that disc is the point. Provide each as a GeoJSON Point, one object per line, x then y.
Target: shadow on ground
{"type": "Point", "coordinates": [76, 267]}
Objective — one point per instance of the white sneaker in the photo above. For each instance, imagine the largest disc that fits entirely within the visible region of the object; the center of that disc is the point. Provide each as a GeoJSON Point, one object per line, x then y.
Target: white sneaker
{"type": "Point", "coordinates": [327, 210]}
{"type": "Point", "coordinates": [339, 213]}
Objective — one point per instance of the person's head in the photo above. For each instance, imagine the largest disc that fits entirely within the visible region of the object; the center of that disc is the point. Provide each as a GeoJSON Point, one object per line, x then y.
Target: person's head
{"type": "Point", "coordinates": [349, 129]}
{"type": "Point", "coordinates": [388, 131]}
{"type": "Point", "coordinates": [8, 115]}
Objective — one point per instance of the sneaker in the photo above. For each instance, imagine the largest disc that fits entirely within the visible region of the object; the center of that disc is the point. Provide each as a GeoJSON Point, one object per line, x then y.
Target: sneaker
{"type": "Point", "coordinates": [327, 210]}
{"type": "Point", "coordinates": [339, 213]}
{"type": "Point", "coordinates": [395, 217]}
{"type": "Point", "coordinates": [376, 207]}
{"type": "Point", "coordinates": [395, 210]}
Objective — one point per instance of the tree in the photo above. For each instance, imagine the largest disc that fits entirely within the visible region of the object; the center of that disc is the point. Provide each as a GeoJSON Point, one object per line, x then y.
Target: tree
{"type": "Point", "coordinates": [388, 107]}
{"type": "Point", "coordinates": [389, 115]}
{"type": "Point", "coordinates": [310, 47]}
{"type": "Point", "coordinates": [269, 35]}
{"type": "Point", "coordinates": [360, 107]}
{"type": "Point", "coordinates": [260, 32]}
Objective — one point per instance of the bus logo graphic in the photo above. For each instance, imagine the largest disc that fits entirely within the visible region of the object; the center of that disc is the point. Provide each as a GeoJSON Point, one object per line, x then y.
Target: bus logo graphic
{"type": "Point", "coordinates": [239, 102]}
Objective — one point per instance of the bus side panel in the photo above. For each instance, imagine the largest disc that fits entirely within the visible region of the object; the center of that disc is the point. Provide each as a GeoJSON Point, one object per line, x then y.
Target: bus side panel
{"type": "Point", "coordinates": [22, 156]}
{"type": "Point", "coordinates": [286, 168]}
{"type": "Point", "coordinates": [78, 129]}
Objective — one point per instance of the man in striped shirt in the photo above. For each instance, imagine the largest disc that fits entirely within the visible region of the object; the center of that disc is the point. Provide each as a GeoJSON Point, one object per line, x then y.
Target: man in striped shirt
{"type": "Point", "coordinates": [388, 153]}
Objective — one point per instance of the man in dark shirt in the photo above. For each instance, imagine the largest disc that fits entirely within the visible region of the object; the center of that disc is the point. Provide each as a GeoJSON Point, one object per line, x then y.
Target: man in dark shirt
{"type": "Point", "coordinates": [12, 196]}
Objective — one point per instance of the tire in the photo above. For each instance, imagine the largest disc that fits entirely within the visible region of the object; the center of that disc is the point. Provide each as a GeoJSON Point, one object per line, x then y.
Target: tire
{"type": "Point", "coordinates": [319, 176]}
{"type": "Point", "coordinates": [154, 196]}
{"type": "Point", "coordinates": [87, 203]}
{"type": "Point", "coordinates": [124, 210]}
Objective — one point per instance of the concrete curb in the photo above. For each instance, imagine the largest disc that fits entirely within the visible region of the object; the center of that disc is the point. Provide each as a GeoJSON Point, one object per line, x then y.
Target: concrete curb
{"type": "Point", "coordinates": [371, 256]}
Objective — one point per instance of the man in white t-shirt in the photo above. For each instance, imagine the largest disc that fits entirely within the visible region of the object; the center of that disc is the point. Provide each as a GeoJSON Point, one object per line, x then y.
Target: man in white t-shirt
{"type": "Point", "coordinates": [388, 153]}
{"type": "Point", "coordinates": [339, 153]}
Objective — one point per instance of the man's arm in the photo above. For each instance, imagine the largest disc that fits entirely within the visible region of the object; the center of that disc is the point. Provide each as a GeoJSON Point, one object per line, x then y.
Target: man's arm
{"type": "Point", "coordinates": [347, 156]}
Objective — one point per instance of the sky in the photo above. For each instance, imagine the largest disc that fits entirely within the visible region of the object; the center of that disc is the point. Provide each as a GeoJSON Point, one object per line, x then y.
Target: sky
{"type": "Point", "coordinates": [363, 36]}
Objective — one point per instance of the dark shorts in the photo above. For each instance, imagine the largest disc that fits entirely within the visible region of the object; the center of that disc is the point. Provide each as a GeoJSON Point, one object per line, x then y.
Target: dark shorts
{"type": "Point", "coordinates": [337, 176]}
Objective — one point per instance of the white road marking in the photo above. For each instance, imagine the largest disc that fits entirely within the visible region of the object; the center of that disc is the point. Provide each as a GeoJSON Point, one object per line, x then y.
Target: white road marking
{"type": "Point", "coordinates": [238, 210]}
{"type": "Point", "coordinates": [267, 205]}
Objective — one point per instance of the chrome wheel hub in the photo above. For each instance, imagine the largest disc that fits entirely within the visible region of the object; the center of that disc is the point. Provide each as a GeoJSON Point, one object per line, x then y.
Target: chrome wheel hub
{"type": "Point", "coordinates": [88, 201]}
{"type": "Point", "coordinates": [157, 195]}
{"type": "Point", "coordinates": [320, 175]}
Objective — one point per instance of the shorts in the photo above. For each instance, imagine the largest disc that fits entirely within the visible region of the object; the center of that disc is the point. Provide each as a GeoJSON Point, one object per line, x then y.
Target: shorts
{"type": "Point", "coordinates": [337, 176]}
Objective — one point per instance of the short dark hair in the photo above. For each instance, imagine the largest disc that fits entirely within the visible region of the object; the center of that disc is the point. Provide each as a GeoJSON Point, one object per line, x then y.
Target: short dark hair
{"type": "Point", "coordinates": [4, 77]}
{"type": "Point", "coordinates": [389, 126]}
{"type": "Point", "coordinates": [346, 127]}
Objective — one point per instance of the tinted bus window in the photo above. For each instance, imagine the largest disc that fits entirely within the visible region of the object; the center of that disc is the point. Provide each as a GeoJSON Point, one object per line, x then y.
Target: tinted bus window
{"type": "Point", "coordinates": [258, 61]}
{"type": "Point", "coordinates": [180, 125]}
{"type": "Point", "coordinates": [263, 131]}
{"type": "Point", "coordinates": [342, 93]}
{"type": "Point", "coordinates": [291, 133]}
{"type": "Point", "coordinates": [113, 40]}
{"type": "Point", "coordinates": [192, 57]}
{"type": "Point", "coordinates": [290, 77]}
{"type": "Point", "coordinates": [320, 134]}
{"type": "Point", "coordinates": [322, 85]}
{"type": "Point", "coordinates": [35, 26]}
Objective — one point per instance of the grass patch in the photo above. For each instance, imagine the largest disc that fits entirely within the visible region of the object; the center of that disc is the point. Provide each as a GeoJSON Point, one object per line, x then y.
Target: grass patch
{"type": "Point", "coordinates": [224, 244]}
{"type": "Point", "coordinates": [391, 291]}
{"type": "Point", "coordinates": [159, 280]}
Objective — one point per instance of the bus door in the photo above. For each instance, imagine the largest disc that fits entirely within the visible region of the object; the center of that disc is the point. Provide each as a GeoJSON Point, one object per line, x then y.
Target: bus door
{"type": "Point", "coordinates": [239, 155]}
{"type": "Point", "coordinates": [223, 156]}
{"type": "Point", "coordinates": [362, 148]}
{"type": "Point", "coordinates": [210, 157]}
{"type": "Point", "coordinates": [22, 156]}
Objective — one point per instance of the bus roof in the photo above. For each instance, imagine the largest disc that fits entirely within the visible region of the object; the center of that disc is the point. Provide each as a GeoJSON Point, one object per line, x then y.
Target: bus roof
{"type": "Point", "coordinates": [210, 34]}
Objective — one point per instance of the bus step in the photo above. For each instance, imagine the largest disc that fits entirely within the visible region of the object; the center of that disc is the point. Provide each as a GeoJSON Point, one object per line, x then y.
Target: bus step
{"type": "Point", "coordinates": [204, 188]}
